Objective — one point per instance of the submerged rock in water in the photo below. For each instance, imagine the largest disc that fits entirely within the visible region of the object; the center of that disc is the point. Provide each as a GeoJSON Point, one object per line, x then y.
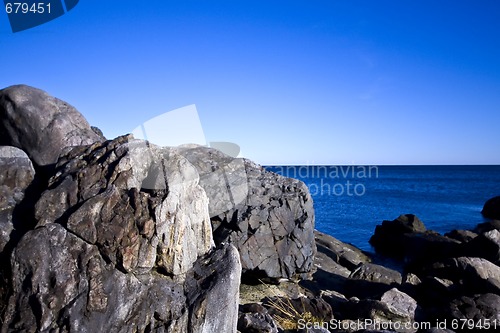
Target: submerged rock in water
{"type": "Point", "coordinates": [491, 208]}
{"type": "Point", "coordinates": [388, 237]}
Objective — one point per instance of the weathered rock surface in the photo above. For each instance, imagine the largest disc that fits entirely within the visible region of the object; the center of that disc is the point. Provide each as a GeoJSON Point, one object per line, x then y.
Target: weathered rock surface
{"type": "Point", "coordinates": [376, 273]}
{"type": "Point", "coordinates": [469, 275]}
{"type": "Point", "coordinates": [269, 218]}
{"type": "Point", "coordinates": [40, 124]}
{"type": "Point", "coordinates": [111, 254]}
{"type": "Point", "coordinates": [491, 208]}
{"type": "Point", "coordinates": [343, 254]}
{"type": "Point", "coordinates": [212, 291]}
{"type": "Point", "coordinates": [96, 193]}
{"type": "Point", "coordinates": [254, 318]}
{"type": "Point", "coordinates": [16, 174]}
{"type": "Point", "coordinates": [77, 290]}
{"type": "Point", "coordinates": [480, 308]}
{"type": "Point", "coordinates": [394, 310]}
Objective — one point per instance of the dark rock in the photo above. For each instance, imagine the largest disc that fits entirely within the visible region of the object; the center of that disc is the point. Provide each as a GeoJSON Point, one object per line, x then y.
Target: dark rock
{"type": "Point", "coordinates": [491, 208]}
{"type": "Point", "coordinates": [97, 193]}
{"type": "Point", "coordinates": [337, 301]}
{"type": "Point", "coordinates": [62, 282]}
{"type": "Point", "coordinates": [487, 226]}
{"type": "Point", "coordinates": [463, 236]}
{"type": "Point", "coordinates": [486, 245]}
{"type": "Point", "coordinates": [254, 318]}
{"type": "Point", "coordinates": [422, 248]}
{"type": "Point", "coordinates": [407, 238]}
{"type": "Point", "coordinates": [474, 312]}
{"type": "Point", "coordinates": [387, 237]}
{"type": "Point", "coordinates": [376, 273]}
{"type": "Point", "coordinates": [370, 281]}
{"type": "Point", "coordinates": [16, 174]}
{"type": "Point", "coordinates": [269, 218]}
{"type": "Point", "coordinates": [333, 263]}
{"type": "Point", "coordinates": [109, 254]}
{"type": "Point", "coordinates": [40, 124]}
{"type": "Point", "coordinates": [344, 254]}
{"type": "Point", "coordinates": [336, 278]}
{"type": "Point", "coordinates": [99, 133]}
{"type": "Point", "coordinates": [395, 310]}
{"type": "Point", "coordinates": [433, 290]}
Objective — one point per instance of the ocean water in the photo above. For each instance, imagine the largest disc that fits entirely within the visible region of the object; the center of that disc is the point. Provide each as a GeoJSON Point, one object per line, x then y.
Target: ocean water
{"type": "Point", "coordinates": [350, 201]}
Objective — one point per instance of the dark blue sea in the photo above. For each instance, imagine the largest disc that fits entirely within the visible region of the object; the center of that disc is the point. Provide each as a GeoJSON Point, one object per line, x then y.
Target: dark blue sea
{"type": "Point", "coordinates": [351, 200]}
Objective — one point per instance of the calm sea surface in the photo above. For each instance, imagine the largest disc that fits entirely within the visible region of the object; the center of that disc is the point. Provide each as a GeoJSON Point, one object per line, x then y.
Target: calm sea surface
{"type": "Point", "coordinates": [350, 201]}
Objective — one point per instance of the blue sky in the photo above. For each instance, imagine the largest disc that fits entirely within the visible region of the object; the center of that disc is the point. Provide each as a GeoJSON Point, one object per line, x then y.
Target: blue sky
{"type": "Point", "coordinates": [291, 82]}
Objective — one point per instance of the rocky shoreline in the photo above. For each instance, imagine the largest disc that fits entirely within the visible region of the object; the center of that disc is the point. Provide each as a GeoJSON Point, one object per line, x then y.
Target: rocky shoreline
{"type": "Point", "coordinates": [124, 236]}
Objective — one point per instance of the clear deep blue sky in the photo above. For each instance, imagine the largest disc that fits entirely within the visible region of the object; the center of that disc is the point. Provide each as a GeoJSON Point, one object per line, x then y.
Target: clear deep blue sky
{"type": "Point", "coordinates": [291, 82]}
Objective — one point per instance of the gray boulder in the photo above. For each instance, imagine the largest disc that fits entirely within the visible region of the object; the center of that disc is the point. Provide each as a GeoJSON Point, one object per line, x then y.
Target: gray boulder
{"type": "Point", "coordinates": [376, 273]}
{"type": "Point", "coordinates": [487, 226]}
{"type": "Point", "coordinates": [407, 238]}
{"type": "Point", "coordinates": [40, 124]}
{"type": "Point", "coordinates": [395, 312]}
{"type": "Point", "coordinates": [61, 283]}
{"type": "Point", "coordinates": [469, 275]}
{"type": "Point", "coordinates": [269, 218]}
{"type": "Point", "coordinates": [369, 281]}
{"type": "Point", "coordinates": [16, 174]}
{"type": "Point", "coordinates": [473, 310]}
{"type": "Point", "coordinates": [212, 291]}
{"type": "Point", "coordinates": [463, 236]}
{"type": "Point", "coordinates": [101, 193]}
{"type": "Point", "coordinates": [401, 304]}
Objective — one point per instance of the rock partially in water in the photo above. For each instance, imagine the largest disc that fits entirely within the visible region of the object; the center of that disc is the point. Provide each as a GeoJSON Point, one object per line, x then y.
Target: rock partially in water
{"type": "Point", "coordinates": [491, 208]}
{"type": "Point", "coordinates": [388, 239]}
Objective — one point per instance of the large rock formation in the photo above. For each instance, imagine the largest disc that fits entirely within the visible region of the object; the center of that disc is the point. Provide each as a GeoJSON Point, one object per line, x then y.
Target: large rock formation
{"type": "Point", "coordinates": [108, 254]}
{"type": "Point", "coordinates": [268, 217]}
{"type": "Point", "coordinates": [40, 124]}
{"type": "Point", "coordinates": [118, 235]}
